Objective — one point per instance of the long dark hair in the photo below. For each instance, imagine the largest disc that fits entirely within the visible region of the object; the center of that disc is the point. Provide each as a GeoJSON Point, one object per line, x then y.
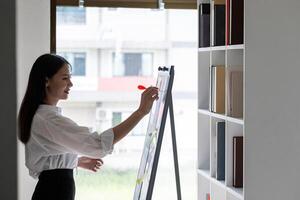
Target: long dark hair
{"type": "Point", "coordinates": [45, 66]}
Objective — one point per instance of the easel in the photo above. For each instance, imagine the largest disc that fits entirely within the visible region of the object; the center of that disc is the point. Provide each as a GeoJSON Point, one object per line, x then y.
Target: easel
{"type": "Point", "coordinates": [168, 106]}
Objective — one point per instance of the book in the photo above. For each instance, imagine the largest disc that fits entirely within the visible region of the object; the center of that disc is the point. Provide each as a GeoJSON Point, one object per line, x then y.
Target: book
{"type": "Point", "coordinates": [219, 22]}
{"type": "Point", "coordinates": [218, 89]}
{"type": "Point", "coordinates": [235, 91]}
{"type": "Point", "coordinates": [227, 22]}
{"type": "Point", "coordinates": [204, 25]}
{"type": "Point", "coordinates": [237, 22]}
{"type": "Point", "coordinates": [237, 161]}
{"type": "Point", "coordinates": [212, 86]}
{"type": "Point", "coordinates": [220, 128]}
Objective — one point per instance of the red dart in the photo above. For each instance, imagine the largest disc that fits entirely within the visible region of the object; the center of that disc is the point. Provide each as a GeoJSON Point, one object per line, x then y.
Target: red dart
{"type": "Point", "coordinates": [141, 87]}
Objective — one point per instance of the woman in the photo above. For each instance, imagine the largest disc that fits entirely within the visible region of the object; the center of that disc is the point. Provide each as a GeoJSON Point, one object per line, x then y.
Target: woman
{"type": "Point", "coordinates": [52, 141]}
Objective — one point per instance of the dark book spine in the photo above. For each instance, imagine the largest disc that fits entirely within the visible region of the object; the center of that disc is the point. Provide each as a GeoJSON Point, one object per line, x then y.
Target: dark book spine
{"type": "Point", "coordinates": [219, 25]}
{"type": "Point", "coordinates": [237, 22]}
{"type": "Point", "coordinates": [204, 25]}
{"type": "Point", "coordinates": [227, 21]}
{"type": "Point", "coordinates": [238, 161]}
{"type": "Point", "coordinates": [220, 151]}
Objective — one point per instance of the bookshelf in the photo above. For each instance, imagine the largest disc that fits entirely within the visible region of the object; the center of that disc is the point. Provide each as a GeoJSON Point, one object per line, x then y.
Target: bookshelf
{"type": "Point", "coordinates": [270, 124]}
{"type": "Point", "coordinates": [231, 57]}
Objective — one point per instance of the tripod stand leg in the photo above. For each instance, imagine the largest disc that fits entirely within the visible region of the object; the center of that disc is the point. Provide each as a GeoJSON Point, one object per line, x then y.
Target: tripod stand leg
{"type": "Point", "coordinates": [174, 149]}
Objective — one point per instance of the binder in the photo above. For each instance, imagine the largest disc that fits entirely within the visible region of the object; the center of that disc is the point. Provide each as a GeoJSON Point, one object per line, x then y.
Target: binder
{"type": "Point", "coordinates": [237, 22]}
{"type": "Point", "coordinates": [204, 25]}
{"type": "Point", "coordinates": [219, 23]}
{"type": "Point", "coordinates": [237, 161]}
{"type": "Point", "coordinates": [218, 89]}
{"type": "Point", "coordinates": [220, 127]}
{"type": "Point", "coordinates": [227, 23]}
{"type": "Point", "coordinates": [235, 92]}
{"type": "Point", "coordinates": [212, 86]}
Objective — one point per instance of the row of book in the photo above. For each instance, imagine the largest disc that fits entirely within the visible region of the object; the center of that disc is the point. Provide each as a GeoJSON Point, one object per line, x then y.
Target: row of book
{"type": "Point", "coordinates": [237, 157]}
{"type": "Point", "coordinates": [232, 78]}
{"type": "Point", "coordinates": [228, 23]}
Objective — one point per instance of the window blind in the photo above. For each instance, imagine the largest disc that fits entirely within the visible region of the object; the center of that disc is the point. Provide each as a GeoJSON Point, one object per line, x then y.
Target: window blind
{"type": "Point", "coordinates": [180, 4]}
{"type": "Point", "coordinates": [121, 3]}
{"type": "Point", "coordinates": [67, 2]}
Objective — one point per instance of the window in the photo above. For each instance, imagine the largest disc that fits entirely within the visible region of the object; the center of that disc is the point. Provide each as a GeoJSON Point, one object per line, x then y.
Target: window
{"type": "Point", "coordinates": [138, 130]}
{"type": "Point", "coordinates": [77, 61]}
{"type": "Point", "coordinates": [132, 64]}
{"type": "Point", "coordinates": [71, 15]}
{"type": "Point", "coordinates": [116, 118]}
{"type": "Point", "coordinates": [115, 51]}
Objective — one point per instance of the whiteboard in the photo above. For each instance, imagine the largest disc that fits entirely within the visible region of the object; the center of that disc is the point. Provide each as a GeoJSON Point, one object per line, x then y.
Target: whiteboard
{"type": "Point", "coordinates": [155, 119]}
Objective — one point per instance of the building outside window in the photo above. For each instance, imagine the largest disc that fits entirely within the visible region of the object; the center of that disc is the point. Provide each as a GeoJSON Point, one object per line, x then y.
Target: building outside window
{"type": "Point", "coordinates": [116, 118]}
{"type": "Point", "coordinates": [77, 61]}
{"type": "Point", "coordinates": [71, 16]}
{"type": "Point", "coordinates": [138, 130]}
{"type": "Point", "coordinates": [132, 64]}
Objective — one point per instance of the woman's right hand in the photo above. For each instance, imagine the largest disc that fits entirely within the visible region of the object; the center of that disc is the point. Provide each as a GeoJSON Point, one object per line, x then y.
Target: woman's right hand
{"type": "Point", "coordinates": [147, 99]}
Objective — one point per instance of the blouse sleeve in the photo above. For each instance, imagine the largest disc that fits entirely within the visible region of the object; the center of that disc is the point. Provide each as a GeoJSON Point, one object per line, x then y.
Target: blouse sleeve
{"type": "Point", "coordinates": [66, 136]}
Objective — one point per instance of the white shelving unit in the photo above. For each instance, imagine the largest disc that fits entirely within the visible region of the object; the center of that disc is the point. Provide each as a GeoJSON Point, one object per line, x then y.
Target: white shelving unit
{"type": "Point", "coordinates": [229, 56]}
{"type": "Point", "coordinates": [270, 124]}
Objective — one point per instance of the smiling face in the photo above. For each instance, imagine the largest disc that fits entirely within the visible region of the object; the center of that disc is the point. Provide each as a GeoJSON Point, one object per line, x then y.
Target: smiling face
{"type": "Point", "coordinates": [58, 86]}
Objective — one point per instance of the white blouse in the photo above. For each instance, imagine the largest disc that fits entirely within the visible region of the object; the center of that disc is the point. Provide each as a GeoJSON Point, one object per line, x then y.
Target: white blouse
{"type": "Point", "coordinates": [56, 141]}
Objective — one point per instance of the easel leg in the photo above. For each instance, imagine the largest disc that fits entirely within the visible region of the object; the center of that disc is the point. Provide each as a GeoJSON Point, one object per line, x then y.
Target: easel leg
{"type": "Point", "coordinates": [174, 149]}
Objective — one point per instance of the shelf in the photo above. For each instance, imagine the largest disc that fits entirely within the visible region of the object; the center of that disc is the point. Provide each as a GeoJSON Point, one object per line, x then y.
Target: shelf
{"type": "Point", "coordinates": [204, 49]}
{"type": "Point", "coordinates": [238, 46]}
{"type": "Point", "coordinates": [205, 173]}
{"type": "Point", "coordinates": [235, 120]}
{"type": "Point", "coordinates": [237, 192]}
{"type": "Point", "coordinates": [207, 112]}
{"type": "Point", "coordinates": [220, 116]}
{"type": "Point", "coordinates": [218, 48]}
{"type": "Point", "coordinates": [219, 183]}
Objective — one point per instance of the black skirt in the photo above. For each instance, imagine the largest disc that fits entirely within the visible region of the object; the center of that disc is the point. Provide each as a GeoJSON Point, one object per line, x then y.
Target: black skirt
{"type": "Point", "coordinates": [57, 184]}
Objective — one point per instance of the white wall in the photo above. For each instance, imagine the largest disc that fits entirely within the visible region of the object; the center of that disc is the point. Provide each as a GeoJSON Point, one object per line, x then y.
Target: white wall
{"type": "Point", "coordinates": [33, 39]}
{"type": "Point", "coordinates": [272, 111]}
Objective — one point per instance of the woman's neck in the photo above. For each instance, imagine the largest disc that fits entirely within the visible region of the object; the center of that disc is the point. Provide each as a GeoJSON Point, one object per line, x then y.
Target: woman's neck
{"type": "Point", "coordinates": [50, 101]}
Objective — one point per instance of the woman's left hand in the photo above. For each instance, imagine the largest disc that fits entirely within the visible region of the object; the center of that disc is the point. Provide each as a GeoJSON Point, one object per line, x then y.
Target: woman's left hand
{"type": "Point", "coordinates": [90, 163]}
